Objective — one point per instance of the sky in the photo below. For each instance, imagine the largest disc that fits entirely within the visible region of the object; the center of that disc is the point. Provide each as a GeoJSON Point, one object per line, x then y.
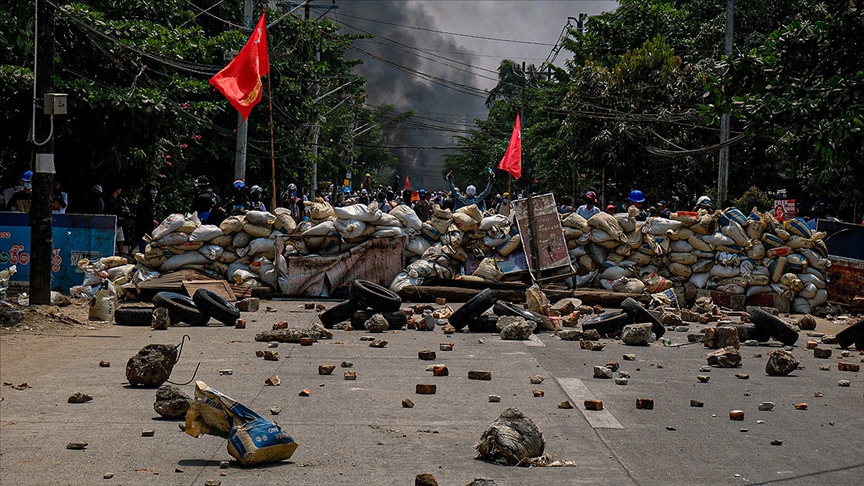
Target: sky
{"type": "Point", "coordinates": [438, 57]}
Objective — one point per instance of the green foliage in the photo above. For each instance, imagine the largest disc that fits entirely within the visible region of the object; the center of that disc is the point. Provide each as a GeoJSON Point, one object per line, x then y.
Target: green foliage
{"type": "Point", "coordinates": [754, 198]}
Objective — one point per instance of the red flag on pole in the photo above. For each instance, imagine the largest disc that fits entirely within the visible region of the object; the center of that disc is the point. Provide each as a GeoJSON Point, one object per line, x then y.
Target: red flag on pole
{"type": "Point", "coordinates": [407, 183]}
{"type": "Point", "coordinates": [512, 161]}
{"type": "Point", "coordinates": [240, 81]}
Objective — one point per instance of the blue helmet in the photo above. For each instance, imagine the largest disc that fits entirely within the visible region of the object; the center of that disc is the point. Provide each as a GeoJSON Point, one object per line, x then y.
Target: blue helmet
{"type": "Point", "coordinates": [28, 176]}
{"type": "Point", "coordinates": [636, 196]}
{"type": "Point", "coordinates": [239, 184]}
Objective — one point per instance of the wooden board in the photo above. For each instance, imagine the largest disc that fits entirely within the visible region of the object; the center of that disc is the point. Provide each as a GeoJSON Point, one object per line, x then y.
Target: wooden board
{"type": "Point", "coordinates": [219, 287]}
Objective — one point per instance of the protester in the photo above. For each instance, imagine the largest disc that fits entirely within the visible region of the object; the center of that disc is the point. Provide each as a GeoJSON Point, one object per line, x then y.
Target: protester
{"type": "Point", "coordinates": [637, 199]}
{"type": "Point", "coordinates": [820, 211]}
{"type": "Point", "coordinates": [294, 204]}
{"type": "Point", "coordinates": [610, 208]}
{"type": "Point", "coordinates": [256, 203]}
{"type": "Point", "coordinates": [704, 202]}
{"type": "Point", "coordinates": [470, 197]}
{"type": "Point", "coordinates": [662, 210]}
{"type": "Point", "coordinates": [115, 205]}
{"type": "Point", "coordinates": [59, 199]}
{"type": "Point", "coordinates": [590, 207]}
{"type": "Point", "coordinates": [504, 206]}
{"type": "Point", "coordinates": [7, 193]}
{"type": "Point", "coordinates": [145, 214]}
{"type": "Point", "coordinates": [93, 203]}
{"type": "Point", "coordinates": [364, 197]}
{"type": "Point", "coordinates": [20, 200]}
{"type": "Point", "coordinates": [566, 205]}
{"type": "Point", "coordinates": [422, 207]}
{"type": "Point", "coordinates": [239, 198]}
{"type": "Point", "coordinates": [207, 204]}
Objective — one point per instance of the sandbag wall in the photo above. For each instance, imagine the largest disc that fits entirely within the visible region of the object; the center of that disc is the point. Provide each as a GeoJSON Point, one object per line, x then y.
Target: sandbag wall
{"type": "Point", "coordinates": [720, 250]}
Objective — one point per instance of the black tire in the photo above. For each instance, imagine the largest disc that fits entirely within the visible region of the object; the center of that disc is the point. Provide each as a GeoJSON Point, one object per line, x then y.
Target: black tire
{"type": "Point", "coordinates": [211, 304]}
{"type": "Point", "coordinates": [504, 308]}
{"type": "Point", "coordinates": [608, 323]}
{"type": "Point", "coordinates": [180, 308]}
{"type": "Point", "coordinates": [133, 316]}
{"type": "Point", "coordinates": [751, 332]}
{"type": "Point", "coordinates": [396, 319]}
{"type": "Point", "coordinates": [853, 334]}
{"type": "Point", "coordinates": [472, 309]}
{"type": "Point", "coordinates": [772, 324]}
{"type": "Point", "coordinates": [638, 313]}
{"type": "Point", "coordinates": [338, 313]}
{"type": "Point", "coordinates": [484, 324]}
{"type": "Point", "coordinates": [368, 294]}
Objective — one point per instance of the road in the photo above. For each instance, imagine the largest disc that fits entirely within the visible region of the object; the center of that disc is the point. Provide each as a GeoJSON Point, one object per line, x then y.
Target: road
{"type": "Point", "coordinates": [357, 432]}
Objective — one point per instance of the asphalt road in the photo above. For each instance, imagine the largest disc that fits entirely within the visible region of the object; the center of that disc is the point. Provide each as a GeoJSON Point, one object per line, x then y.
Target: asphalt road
{"type": "Point", "coordinates": [357, 432]}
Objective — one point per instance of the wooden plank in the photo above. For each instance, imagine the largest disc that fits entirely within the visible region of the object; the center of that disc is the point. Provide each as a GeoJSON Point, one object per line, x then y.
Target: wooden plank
{"type": "Point", "coordinates": [219, 287]}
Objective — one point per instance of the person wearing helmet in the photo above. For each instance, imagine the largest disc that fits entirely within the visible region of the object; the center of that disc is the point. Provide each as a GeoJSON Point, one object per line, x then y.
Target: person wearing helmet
{"type": "Point", "coordinates": [637, 200]}
{"type": "Point", "coordinates": [820, 210]}
{"type": "Point", "coordinates": [239, 197]}
{"type": "Point", "coordinates": [255, 203]}
{"type": "Point", "coordinates": [705, 203]}
{"type": "Point", "coordinates": [364, 197]}
{"type": "Point", "coordinates": [422, 206]}
{"type": "Point", "coordinates": [610, 208]}
{"type": "Point", "coordinates": [663, 211]}
{"type": "Point", "coordinates": [590, 207]}
{"type": "Point", "coordinates": [207, 204]}
{"type": "Point", "coordinates": [93, 203]}
{"type": "Point", "coordinates": [9, 191]}
{"type": "Point", "coordinates": [294, 204]}
{"type": "Point", "coordinates": [471, 197]}
{"type": "Point", "coordinates": [19, 200]}
{"type": "Point", "coordinates": [367, 183]}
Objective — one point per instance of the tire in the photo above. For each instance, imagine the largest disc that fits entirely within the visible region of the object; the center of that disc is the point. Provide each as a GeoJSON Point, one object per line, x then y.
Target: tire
{"type": "Point", "coordinates": [483, 324]}
{"type": "Point", "coordinates": [338, 313]}
{"type": "Point", "coordinates": [638, 313]}
{"type": "Point", "coordinates": [133, 316]}
{"type": "Point", "coordinates": [368, 294]}
{"type": "Point", "coordinates": [211, 304]}
{"type": "Point", "coordinates": [396, 319]}
{"type": "Point", "coordinates": [180, 308]}
{"type": "Point", "coordinates": [472, 309]}
{"type": "Point", "coordinates": [774, 326]}
{"type": "Point", "coordinates": [608, 323]}
{"type": "Point", "coordinates": [853, 334]}
{"type": "Point", "coordinates": [750, 332]}
{"type": "Point", "coordinates": [504, 308]}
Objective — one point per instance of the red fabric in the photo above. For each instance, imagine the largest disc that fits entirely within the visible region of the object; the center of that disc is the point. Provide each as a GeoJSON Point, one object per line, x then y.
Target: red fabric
{"type": "Point", "coordinates": [240, 81]}
{"type": "Point", "coordinates": [407, 183]}
{"type": "Point", "coordinates": [512, 161]}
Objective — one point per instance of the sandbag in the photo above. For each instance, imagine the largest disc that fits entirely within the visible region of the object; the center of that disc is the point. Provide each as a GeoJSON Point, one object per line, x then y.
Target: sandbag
{"type": "Point", "coordinates": [680, 270]}
{"type": "Point", "coordinates": [212, 252]}
{"type": "Point", "coordinates": [571, 233]}
{"type": "Point", "coordinates": [490, 222]}
{"type": "Point", "coordinates": [284, 221]}
{"type": "Point", "coordinates": [626, 221]}
{"type": "Point", "coordinates": [635, 239]}
{"type": "Point", "coordinates": [699, 280]}
{"type": "Point", "coordinates": [812, 279]}
{"type": "Point", "coordinates": [608, 224]}
{"type": "Point", "coordinates": [241, 240]}
{"type": "Point", "coordinates": [687, 218]}
{"type": "Point", "coordinates": [718, 239]}
{"type": "Point", "coordinates": [320, 211]}
{"type": "Point", "coordinates": [575, 221]}
{"type": "Point", "coordinates": [169, 225]}
{"type": "Point", "coordinates": [680, 246]}
{"type": "Point", "coordinates": [756, 250]}
{"type": "Point", "coordinates": [170, 240]}
{"type": "Point", "coordinates": [614, 273]}
{"type": "Point", "coordinates": [205, 232]}
{"type": "Point", "coordinates": [472, 211]}
{"type": "Point", "coordinates": [489, 270]}
{"type": "Point", "coordinates": [464, 222]}
{"type": "Point", "coordinates": [349, 228]}
{"type": "Point", "coordinates": [232, 224]}
{"type": "Point", "coordinates": [417, 246]}
{"type": "Point", "coordinates": [260, 218]}
{"type": "Point", "coordinates": [359, 212]}
{"type": "Point", "coordinates": [179, 261]}
{"type": "Point", "coordinates": [702, 265]}
{"type": "Point", "coordinates": [261, 246]}
{"type": "Point", "coordinates": [660, 226]}
{"type": "Point", "coordinates": [706, 224]}
{"type": "Point", "coordinates": [820, 298]}
{"type": "Point", "coordinates": [683, 258]}
{"type": "Point", "coordinates": [797, 227]}
{"type": "Point", "coordinates": [256, 231]}
{"type": "Point", "coordinates": [724, 271]}
{"type": "Point", "coordinates": [389, 232]}
{"type": "Point", "coordinates": [815, 260]}
{"type": "Point", "coordinates": [796, 263]}
{"type": "Point", "coordinates": [408, 217]}
{"type": "Point", "coordinates": [698, 243]}
{"type": "Point", "coordinates": [736, 232]}
{"type": "Point", "coordinates": [733, 214]}
{"type": "Point", "coordinates": [682, 234]}
{"type": "Point", "coordinates": [507, 248]}
{"type": "Point", "coordinates": [387, 219]}
{"type": "Point", "coordinates": [186, 246]}
{"type": "Point", "coordinates": [796, 242]}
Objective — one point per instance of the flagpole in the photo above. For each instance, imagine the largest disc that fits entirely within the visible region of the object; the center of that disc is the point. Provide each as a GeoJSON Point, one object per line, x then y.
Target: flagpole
{"type": "Point", "coordinates": [272, 143]}
{"type": "Point", "coordinates": [509, 192]}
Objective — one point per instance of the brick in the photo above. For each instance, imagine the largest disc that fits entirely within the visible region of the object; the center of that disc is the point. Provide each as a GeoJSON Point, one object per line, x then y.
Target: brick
{"type": "Point", "coordinates": [350, 375]}
{"type": "Point", "coordinates": [248, 305]}
{"type": "Point", "coordinates": [736, 415]}
{"type": "Point", "coordinates": [306, 341]}
{"type": "Point", "coordinates": [440, 370]}
{"type": "Point", "coordinates": [449, 329]}
{"type": "Point", "coordinates": [645, 403]}
{"type": "Point", "coordinates": [280, 325]}
{"type": "Point", "coordinates": [425, 389]}
{"type": "Point", "coordinates": [812, 344]}
{"type": "Point", "coordinates": [629, 357]}
{"type": "Point", "coordinates": [378, 344]}
{"type": "Point", "coordinates": [104, 364]}
{"type": "Point", "coordinates": [426, 355]}
{"type": "Point", "coordinates": [320, 307]}
{"type": "Point", "coordinates": [305, 392]}
{"type": "Point", "coordinates": [821, 353]}
{"type": "Point", "coordinates": [721, 337]}
{"type": "Point", "coordinates": [843, 366]}
{"type": "Point", "coordinates": [593, 404]}
{"type": "Point", "coordinates": [612, 365]}
{"type": "Point", "coordinates": [309, 305]}
{"type": "Point", "coordinates": [446, 346]}
{"type": "Point", "coordinates": [703, 378]}
{"type": "Point", "coordinates": [536, 379]}
{"type": "Point", "coordinates": [271, 355]}
{"type": "Point", "coordinates": [273, 381]}
{"type": "Point", "coordinates": [728, 357]}
{"type": "Point", "coordinates": [742, 376]}
{"type": "Point", "coordinates": [240, 324]}
{"type": "Point", "coordinates": [326, 369]}
{"type": "Point", "coordinates": [407, 403]}
{"type": "Point", "coordinates": [800, 406]}
{"type": "Point", "coordinates": [440, 300]}
{"type": "Point", "coordinates": [565, 404]}
{"type": "Point", "coordinates": [696, 403]}
{"type": "Point", "coordinates": [479, 375]}
{"type": "Point", "coordinates": [538, 393]}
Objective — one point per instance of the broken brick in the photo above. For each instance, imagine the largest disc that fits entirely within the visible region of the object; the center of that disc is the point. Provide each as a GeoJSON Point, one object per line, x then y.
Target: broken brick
{"type": "Point", "coordinates": [104, 364]}
{"type": "Point", "coordinates": [326, 369]}
{"type": "Point", "coordinates": [645, 403]}
{"type": "Point", "coordinates": [407, 403]}
{"type": "Point", "coordinates": [721, 337]}
{"type": "Point", "coordinates": [449, 329]}
{"type": "Point", "coordinates": [801, 406]}
{"type": "Point", "coordinates": [271, 355]}
{"type": "Point", "coordinates": [565, 404]}
{"type": "Point", "coordinates": [593, 404]}
{"type": "Point", "coordinates": [306, 341]}
{"type": "Point", "coordinates": [305, 392]}
{"type": "Point", "coordinates": [446, 346]}
{"type": "Point", "coordinates": [280, 325]}
{"type": "Point", "coordinates": [843, 366]}
{"type": "Point", "coordinates": [479, 375]}
{"type": "Point", "coordinates": [736, 415]}
{"type": "Point", "coordinates": [728, 357]}
{"type": "Point", "coordinates": [812, 344]}
{"type": "Point", "coordinates": [425, 389]}
{"type": "Point", "coordinates": [821, 353]}
{"type": "Point", "coordinates": [378, 344]}
{"type": "Point", "coordinates": [240, 324]}
{"type": "Point", "coordinates": [612, 365]}
{"type": "Point", "coordinates": [273, 381]}
{"type": "Point", "coordinates": [440, 370]}
{"type": "Point", "coordinates": [426, 355]}
{"type": "Point", "coordinates": [350, 375]}
{"type": "Point", "coordinates": [538, 393]}
{"type": "Point", "coordinates": [696, 403]}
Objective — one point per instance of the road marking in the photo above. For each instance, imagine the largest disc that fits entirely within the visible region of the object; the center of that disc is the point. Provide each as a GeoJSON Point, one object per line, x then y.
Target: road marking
{"type": "Point", "coordinates": [534, 341]}
{"type": "Point", "coordinates": [578, 393]}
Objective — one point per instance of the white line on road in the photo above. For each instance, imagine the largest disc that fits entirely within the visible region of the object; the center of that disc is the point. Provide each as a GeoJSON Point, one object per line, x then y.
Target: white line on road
{"type": "Point", "coordinates": [578, 393]}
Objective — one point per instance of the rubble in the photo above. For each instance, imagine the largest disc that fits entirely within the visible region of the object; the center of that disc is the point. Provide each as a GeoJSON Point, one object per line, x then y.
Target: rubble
{"type": "Point", "coordinates": [305, 392]}
{"type": "Point", "coordinates": [703, 378]}
{"type": "Point", "coordinates": [536, 379]}
{"type": "Point", "coordinates": [79, 398]}
{"type": "Point", "coordinates": [822, 353]}
{"type": "Point", "coordinates": [440, 370]}
{"type": "Point", "coordinates": [494, 398]}
{"type": "Point", "coordinates": [570, 334]}
{"type": "Point", "coordinates": [593, 404]}
{"type": "Point", "coordinates": [591, 335]}
{"type": "Point", "coordinates": [250, 304]}
{"type": "Point", "coordinates": [854, 367]}
{"type": "Point", "coordinates": [294, 335]}
{"type": "Point", "coordinates": [104, 364]}
{"type": "Point", "coordinates": [377, 323]}
{"type": "Point", "coordinates": [407, 403]}
{"type": "Point", "coordinates": [148, 433]}
{"type": "Point", "coordinates": [602, 372]}
{"type": "Point", "coordinates": [446, 346]}
{"type": "Point", "coordinates": [426, 355]}
{"type": "Point", "coordinates": [736, 415]}
{"type": "Point", "coordinates": [152, 365]}
{"type": "Point", "coordinates": [479, 375]}
{"type": "Point", "coordinates": [724, 358]}
{"type": "Point", "coordinates": [512, 439]}
{"type": "Point", "coordinates": [806, 323]}
{"type": "Point", "coordinates": [350, 375]}
{"type": "Point", "coordinates": [425, 479]}
{"type": "Point", "coordinates": [766, 406]}
{"type": "Point", "coordinates": [273, 381]}
{"type": "Point", "coordinates": [636, 334]}
{"type": "Point", "coordinates": [271, 355]}
{"type": "Point", "coordinates": [160, 321]}
{"type": "Point", "coordinates": [171, 402]}
{"type": "Point", "coordinates": [378, 344]}
{"type": "Point", "coordinates": [844, 383]}
{"type": "Point", "coordinates": [425, 389]}
{"type": "Point", "coordinates": [565, 404]}
{"type": "Point", "coordinates": [538, 393]}
{"type": "Point", "coordinates": [326, 369]}
{"type": "Point", "coordinates": [721, 337]}
{"type": "Point", "coordinates": [780, 363]}
{"type": "Point", "coordinates": [515, 328]}
{"type": "Point", "coordinates": [645, 403]}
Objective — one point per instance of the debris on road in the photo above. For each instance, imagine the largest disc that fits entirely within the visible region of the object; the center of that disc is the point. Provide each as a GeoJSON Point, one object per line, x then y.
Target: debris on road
{"type": "Point", "coordinates": [636, 334]}
{"type": "Point", "coordinates": [494, 398]}
{"type": "Point", "coordinates": [565, 404]}
{"type": "Point", "coordinates": [79, 398]}
{"type": "Point", "coordinates": [271, 355]}
{"type": "Point", "coordinates": [407, 403]}
{"type": "Point", "coordinates": [350, 375]}
{"type": "Point", "coordinates": [780, 363]}
{"type": "Point", "coordinates": [425, 479]}
{"type": "Point", "coordinates": [512, 439]}
{"type": "Point", "coordinates": [152, 365]}
{"type": "Point", "coordinates": [479, 375]}
{"type": "Point", "coordinates": [645, 403]}
{"type": "Point", "coordinates": [736, 415]}
{"type": "Point", "coordinates": [148, 433]}
{"type": "Point", "coordinates": [326, 369]}
{"type": "Point", "coordinates": [305, 392]}
{"type": "Point", "coordinates": [536, 379]}
{"type": "Point", "coordinates": [294, 335]}
{"type": "Point", "coordinates": [728, 357]}
{"type": "Point", "coordinates": [273, 381]}
{"type": "Point", "coordinates": [378, 344]}
{"type": "Point", "coordinates": [425, 389]}
{"type": "Point", "coordinates": [171, 402]}
{"type": "Point", "coordinates": [593, 404]}
{"type": "Point", "coordinates": [76, 446]}
{"type": "Point", "coordinates": [538, 393]}
{"type": "Point", "coordinates": [104, 364]}
{"type": "Point", "coordinates": [160, 320]}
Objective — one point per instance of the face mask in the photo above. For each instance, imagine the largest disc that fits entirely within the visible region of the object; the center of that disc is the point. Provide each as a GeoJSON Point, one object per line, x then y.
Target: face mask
{"type": "Point", "coordinates": [28, 185]}
{"type": "Point", "coordinates": [153, 193]}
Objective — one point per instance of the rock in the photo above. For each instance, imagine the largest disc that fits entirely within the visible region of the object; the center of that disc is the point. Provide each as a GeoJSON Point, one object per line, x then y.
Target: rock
{"type": "Point", "coordinates": [721, 337]}
{"type": "Point", "coordinates": [104, 364]}
{"type": "Point", "coordinates": [682, 328]}
{"type": "Point", "coordinates": [844, 383]}
{"type": "Point", "coordinates": [612, 365]}
{"type": "Point", "coordinates": [440, 370]}
{"type": "Point", "coordinates": [346, 364]}
{"type": "Point", "coordinates": [350, 375]}
{"type": "Point", "coordinates": [76, 446]}
{"type": "Point", "coordinates": [565, 404]}
{"type": "Point", "coordinates": [326, 369]}
{"type": "Point", "coordinates": [152, 365]}
{"type": "Point", "coordinates": [776, 442]}
{"type": "Point", "coordinates": [446, 346]}
{"type": "Point", "coordinates": [566, 306]}
{"type": "Point", "coordinates": [705, 369]}
{"type": "Point", "coordinates": [259, 353]}
{"type": "Point", "coordinates": [148, 433]}
{"type": "Point", "coordinates": [407, 403]}
{"type": "Point", "coordinates": [240, 324]}
{"type": "Point", "coordinates": [107, 475]}
{"type": "Point", "coordinates": [766, 406]}
{"type": "Point", "coordinates": [593, 404]}
{"type": "Point", "coordinates": [378, 344]}
{"type": "Point", "coordinates": [226, 372]}
{"type": "Point", "coordinates": [596, 346]}
{"type": "Point", "coordinates": [854, 367]}
{"type": "Point", "coordinates": [829, 339]}
{"type": "Point", "coordinates": [440, 300]}
{"type": "Point", "coordinates": [271, 355]}
{"type": "Point", "coordinates": [821, 353]}
{"type": "Point", "coordinates": [160, 321]}
{"type": "Point", "coordinates": [516, 328]}
{"type": "Point", "coordinates": [367, 338]}
{"type": "Point", "coordinates": [425, 389]}
{"type": "Point", "coordinates": [212, 482]}
{"type": "Point", "coordinates": [273, 381]}
{"type": "Point", "coordinates": [377, 323]}
{"type": "Point", "coordinates": [570, 334]}
{"type": "Point", "coordinates": [482, 482]}
{"type": "Point", "coordinates": [538, 393]}
{"type": "Point", "coordinates": [800, 406]}
{"type": "Point", "coordinates": [742, 376]}
{"type": "Point", "coordinates": [636, 334]}
{"type": "Point", "coordinates": [171, 402]}
{"type": "Point", "coordinates": [602, 372]}
{"type": "Point", "coordinates": [697, 337]}
{"type": "Point", "coordinates": [736, 415]}
{"type": "Point", "coordinates": [671, 319]}
{"type": "Point", "coordinates": [494, 398]}
{"type": "Point", "coordinates": [817, 394]}
{"type": "Point", "coordinates": [425, 479]}
{"type": "Point", "coordinates": [426, 355]}
{"type": "Point", "coordinates": [275, 410]}
{"type": "Point", "coordinates": [479, 375]}
{"type": "Point", "coordinates": [724, 358]}
{"type": "Point", "coordinates": [305, 392]}
{"type": "Point", "coordinates": [294, 335]}
{"type": "Point", "coordinates": [536, 379]}
{"type": "Point", "coordinates": [224, 464]}
{"type": "Point", "coordinates": [780, 363]}
{"type": "Point", "coordinates": [79, 398]}
{"type": "Point", "coordinates": [448, 329]}
{"type": "Point", "coordinates": [629, 357]}
{"type": "Point", "coordinates": [703, 378]}
{"type": "Point", "coordinates": [807, 323]}
{"type": "Point", "coordinates": [812, 344]}
{"type": "Point", "coordinates": [696, 403]}
{"type": "Point", "coordinates": [280, 326]}
{"type": "Point", "coordinates": [512, 438]}
{"type": "Point", "coordinates": [250, 304]}
{"type": "Point", "coordinates": [591, 335]}
{"type": "Point", "coordinates": [621, 380]}
{"type": "Point", "coordinates": [645, 403]}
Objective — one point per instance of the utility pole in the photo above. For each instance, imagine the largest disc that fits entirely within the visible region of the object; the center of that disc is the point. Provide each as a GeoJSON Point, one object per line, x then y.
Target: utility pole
{"type": "Point", "coordinates": [317, 129]}
{"type": "Point", "coordinates": [243, 129]}
{"type": "Point", "coordinates": [723, 162]}
{"type": "Point", "coordinates": [41, 230]}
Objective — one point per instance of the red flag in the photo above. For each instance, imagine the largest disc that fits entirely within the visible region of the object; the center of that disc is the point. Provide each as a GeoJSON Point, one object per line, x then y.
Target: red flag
{"type": "Point", "coordinates": [512, 161]}
{"type": "Point", "coordinates": [407, 183]}
{"type": "Point", "coordinates": [240, 81]}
